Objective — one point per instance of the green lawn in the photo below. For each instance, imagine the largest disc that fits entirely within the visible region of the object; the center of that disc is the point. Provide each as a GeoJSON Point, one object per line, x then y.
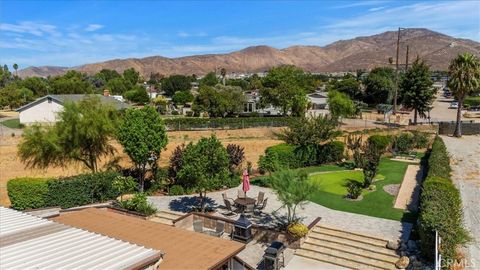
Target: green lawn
{"type": "Point", "coordinates": [377, 203]}
{"type": "Point", "coordinates": [12, 123]}
{"type": "Point", "coordinates": [263, 180]}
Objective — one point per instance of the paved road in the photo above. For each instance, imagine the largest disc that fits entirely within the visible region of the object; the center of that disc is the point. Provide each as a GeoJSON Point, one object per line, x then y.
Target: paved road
{"type": "Point", "coordinates": [465, 162]}
{"type": "Point", "coordinates": [380, 227]}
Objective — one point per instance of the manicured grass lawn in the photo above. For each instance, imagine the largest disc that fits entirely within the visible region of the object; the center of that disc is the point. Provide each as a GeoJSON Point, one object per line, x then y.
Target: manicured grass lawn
{"type": "Point", "coordinates": [263, 180]}
{"type": "Point", "coordinates": [12, 123]}
{"type": "Point", "coordinates": [377, 203]}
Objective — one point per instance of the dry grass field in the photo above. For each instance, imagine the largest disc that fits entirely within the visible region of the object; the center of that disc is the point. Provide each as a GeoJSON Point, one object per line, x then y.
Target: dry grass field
{"type": "Point", "coordinates": [255, 140]}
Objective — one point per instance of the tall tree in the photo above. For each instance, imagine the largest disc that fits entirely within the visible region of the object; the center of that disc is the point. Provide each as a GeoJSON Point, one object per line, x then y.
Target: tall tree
{"type": "Point", "coordinates": [293, 189]}
{"type": "Point", "coordinates": [417, 89]}
{"type": "Point", "coordinates": [82, 135]}
{"type": "Point", "coordinates": [223, 73]}
{"type": "Point", "coordinates": [15, 66]}
{"type": "Point", "coordinates": [176, 83]}
{"type": "Point", "coordinates": [340, 105]}
{"type": "Point", "coordinates": [464, 78]}
{"type": "Point", "coordinates": [209, 80]}
{"type": "Point", "coordinates": [143, 136]}
{"type": "Point", "coordinates": [379, 86]}
{"type": "Point", "coordinates": [286, 87]}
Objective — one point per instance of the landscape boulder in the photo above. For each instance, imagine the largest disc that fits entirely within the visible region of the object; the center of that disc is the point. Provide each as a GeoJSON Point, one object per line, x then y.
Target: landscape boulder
{"type": "Point", "coordinates": [393, 245]}
{"type": "Point", "coordinates": [402, 263]}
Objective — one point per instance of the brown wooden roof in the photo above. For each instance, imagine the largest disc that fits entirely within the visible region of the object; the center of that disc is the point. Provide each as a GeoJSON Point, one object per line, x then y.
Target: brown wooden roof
{"type": "Point", "coordinates": [184, 249]}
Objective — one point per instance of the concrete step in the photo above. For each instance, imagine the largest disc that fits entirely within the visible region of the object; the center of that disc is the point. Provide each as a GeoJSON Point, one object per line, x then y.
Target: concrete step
{"type": "Point", "coordinates": [379, 254]}
{"type": "Point", "coordinates": [349, 256]}
{"type": "Point", "coordinates": [351, 236]}
{"type": "Point", "coordinates": [168, 214]}
{"type": "Point", "coordinates": [334, 260]}
{"type": "Point", "coordinates": [162, 220]}
{"type": "Point", "coordinates": [328, 239]}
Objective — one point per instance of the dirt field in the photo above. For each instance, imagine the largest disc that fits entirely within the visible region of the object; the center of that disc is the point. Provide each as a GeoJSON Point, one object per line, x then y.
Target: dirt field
{"type": "Point", "coordinates": [254, 140]}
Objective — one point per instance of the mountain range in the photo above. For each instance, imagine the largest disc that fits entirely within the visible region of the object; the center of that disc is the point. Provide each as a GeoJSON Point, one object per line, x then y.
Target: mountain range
{"type": "Point", "coordinates": [344, 55]}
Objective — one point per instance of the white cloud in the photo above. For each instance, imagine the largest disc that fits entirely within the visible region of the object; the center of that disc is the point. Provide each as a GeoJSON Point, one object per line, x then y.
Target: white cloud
{"type": "Point", "coordinates": [27, 27]}
{"type": "Point", "coordinates": [93, 27]}
{"type": "Point", "coordinates": [376, 9]}
{"type": "Point", "coordinates": [184, 34]}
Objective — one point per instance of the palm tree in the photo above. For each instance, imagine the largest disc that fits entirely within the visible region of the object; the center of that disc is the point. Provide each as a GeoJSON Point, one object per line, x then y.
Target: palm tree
{"type": "Point", "coordinates": [464, 78]}
{"type": "Point", "coordinates": [15, 66]}
{"type": "Point", "coordinates": [223, 72]}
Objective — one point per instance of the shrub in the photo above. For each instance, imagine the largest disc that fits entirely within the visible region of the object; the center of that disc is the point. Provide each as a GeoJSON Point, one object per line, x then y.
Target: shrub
{"type": "Point", "coordinates": [380, 142]}
{"type": "Point", "coordinates": [139, 204]}
{"type": "Point", "coordinates": [307, 155]}
{"type": "Point", "coordinates": [404, 142]}
{"type": "Point", "coordinates": [227, 123]}
{"type": "Point", "coordinates": [471, 101]}
{"type": "Point", "coordinates": [354, 189]}
{"type": "Point", "coordinates": [176, 190]}
{"type": "Point", "coordinates": [268, 163]}
{"type": "Point", "coordinates": [331, 152]}
{"type": "Point", "coordinates": [27, 193]}
{"type": "Point", "coordinates": [297, 230]}
{"type": "Point", "coordinates": [420, 139]}
{"type": "Point", "coordinates": [285, 154]}
{"type": "Point", "coordinates": [441, 210]}
{"type": "Point", "coordinates": [236, 155]}
{"type": "Point", "coordinates": [176, 161]}
{"type": "Point", "coordinates": [440, 207]}
{"type": "Point", "coordinates": [439, 161]}
{"type": "Point", "coordinates": [81, 189]}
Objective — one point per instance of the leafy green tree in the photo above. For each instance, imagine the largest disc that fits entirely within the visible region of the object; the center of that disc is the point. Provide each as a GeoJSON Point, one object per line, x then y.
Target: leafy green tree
{"type": "Point", "coordinates": [349, 86]}
{"type": "Point", "coordinates": [108, 74]}
{"type": "Point", "coordinates": [464, 78]}
{"type": "Point", "coordinates": [340, 105]}
{"type": "Point", "coordinates": [117, 86]}
{"type": "Point", "coordinates": [205, 166]}
{"type": "Point", "coordinates": [5, 76]}
{"type": "Point", "coordinates": [82, 135]}
{"type": "Point", "coordinates": [138, 95]}
{"type": "Point", "coordinates": [370, 162]}
{"type": "Point", "coordinates": [210, 79]}
{"type": "Point", "coordinates": [417, 89]}
{"type": "Point", "coordinates": [39, 86]}
{"type": "Point", "coordinates": [175, 83]}
{"type": "Point", "coordinates": [310, 131]}
{"type": "Point", "coordinates": [14, 95]}
{"type": "Point", "coordinates": [223, 73]}
{"type": "Point", "coordinates": [131, 76]}
{"type": "Point", "coordinates": [182, 97]}
{"type": "Point", "coordinates": [72, 82]}
{"type": "Point", "coordinates": [293, 189]}
{"type": "Point", "coordinates": [219, 101]}
{"type": "Point", "coordinates": [143, 136]}
{"type": "Point", "coordinates": [379, 86]}
{"type": "Point", "coordinates": [285, 87]}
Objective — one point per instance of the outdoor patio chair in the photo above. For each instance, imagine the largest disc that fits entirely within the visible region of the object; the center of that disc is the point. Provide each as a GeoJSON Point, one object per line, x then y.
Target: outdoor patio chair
{"type": "Point", "coordinates": [241, 194]}
{"type": "Point", "coordinates": [198, 225]}
{"type": "Point", "coordinates": [260, 197]}
{"type": "Point", "coordinates": [230, 209]}
{"type": "Point", "coordinates": [262, 206]}
{"type": "Point", "coordinates": [225, 197]}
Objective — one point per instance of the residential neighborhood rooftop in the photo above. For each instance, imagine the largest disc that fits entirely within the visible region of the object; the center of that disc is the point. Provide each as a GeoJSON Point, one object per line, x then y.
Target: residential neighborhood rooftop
{"type": "Point", "coordinates": [62, 99]}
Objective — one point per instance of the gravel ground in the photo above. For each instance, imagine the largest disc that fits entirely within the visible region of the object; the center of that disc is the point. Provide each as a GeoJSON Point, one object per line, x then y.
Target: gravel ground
{"type": "Point", "coordinates": [465, 160]}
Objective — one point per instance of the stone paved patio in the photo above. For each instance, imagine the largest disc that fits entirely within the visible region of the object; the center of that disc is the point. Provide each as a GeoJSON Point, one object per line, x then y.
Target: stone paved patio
{"type": "Point", "coordinates": [389, 229]}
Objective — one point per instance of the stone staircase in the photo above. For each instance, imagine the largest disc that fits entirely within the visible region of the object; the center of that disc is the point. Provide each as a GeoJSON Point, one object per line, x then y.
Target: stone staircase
{"type": "Point", "coordinates": [347, 249]}
{"type": "Point", "coordinates": [166, 217]}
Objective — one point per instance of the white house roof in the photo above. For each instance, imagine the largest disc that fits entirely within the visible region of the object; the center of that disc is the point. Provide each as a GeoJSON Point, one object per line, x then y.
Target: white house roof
{"type": "Point", "coordinates": [28, 242]}
{"type": "Point", "coordinates": [61, 99]}
{"type": "Point", "coordinates": [318, 98]}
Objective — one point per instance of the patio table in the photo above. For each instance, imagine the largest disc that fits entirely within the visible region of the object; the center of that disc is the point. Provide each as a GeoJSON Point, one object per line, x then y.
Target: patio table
{"type": "Point", "coordinates": [243, 202]}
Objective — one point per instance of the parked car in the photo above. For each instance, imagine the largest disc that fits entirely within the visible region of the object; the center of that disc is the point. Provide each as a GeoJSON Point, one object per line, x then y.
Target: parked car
{"type": "Point", "coordinates": [474, 108]}
{"type": "Point", "coordinates": [447, 94]}
{"type": "Point", "coordinates": [454, 105]}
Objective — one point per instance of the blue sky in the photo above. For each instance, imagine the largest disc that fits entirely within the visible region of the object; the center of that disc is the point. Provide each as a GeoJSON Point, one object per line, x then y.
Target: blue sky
{"type": "Point", "coordinates": [69, 33]}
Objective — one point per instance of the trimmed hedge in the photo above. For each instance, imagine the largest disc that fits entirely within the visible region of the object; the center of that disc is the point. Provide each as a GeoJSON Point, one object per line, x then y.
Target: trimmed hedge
{"type": "Point", "coordinates": [471, 101]}
{"type": "Point", "coordinates": [189, 123]}
{"type": "Point", "coordinates": [27, 193]}
{"type": "Point", "coordinates": [68, 192]}
{"type": "Point", "coordinates": [331, 152]}
{"type": "Point", "coordinates": [285, 154]}
{"type": "Point", "coordinates": [440, 207]}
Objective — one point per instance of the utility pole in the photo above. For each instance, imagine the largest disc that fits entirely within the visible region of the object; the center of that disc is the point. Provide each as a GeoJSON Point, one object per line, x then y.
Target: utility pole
{"type": "Point", "coordinates": [396, 74]}
{"type": "Point", "coordinates": [406, 60]}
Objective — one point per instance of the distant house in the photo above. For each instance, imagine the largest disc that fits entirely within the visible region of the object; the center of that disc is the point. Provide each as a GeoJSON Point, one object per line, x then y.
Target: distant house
{"type": "Point", "coordinates": [252, 105]}
{"type": "Point", "coordinates": [46, 109]}
{"type": "Point", "coordinates": [318, 100]}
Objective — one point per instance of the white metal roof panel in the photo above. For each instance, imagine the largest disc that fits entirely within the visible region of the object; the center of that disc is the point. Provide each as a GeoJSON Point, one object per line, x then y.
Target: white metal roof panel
{"type": "Point", "coordinates": [70, 248]}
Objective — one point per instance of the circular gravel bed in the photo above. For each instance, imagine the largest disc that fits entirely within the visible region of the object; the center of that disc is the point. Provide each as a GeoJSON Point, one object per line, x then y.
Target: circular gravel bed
{"type": "Point", "coordinates": [392, 189]}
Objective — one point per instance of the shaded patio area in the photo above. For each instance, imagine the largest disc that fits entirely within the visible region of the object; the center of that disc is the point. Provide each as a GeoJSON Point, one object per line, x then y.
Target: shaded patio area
{"type": "Point", "coordinates": [274, 214]}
